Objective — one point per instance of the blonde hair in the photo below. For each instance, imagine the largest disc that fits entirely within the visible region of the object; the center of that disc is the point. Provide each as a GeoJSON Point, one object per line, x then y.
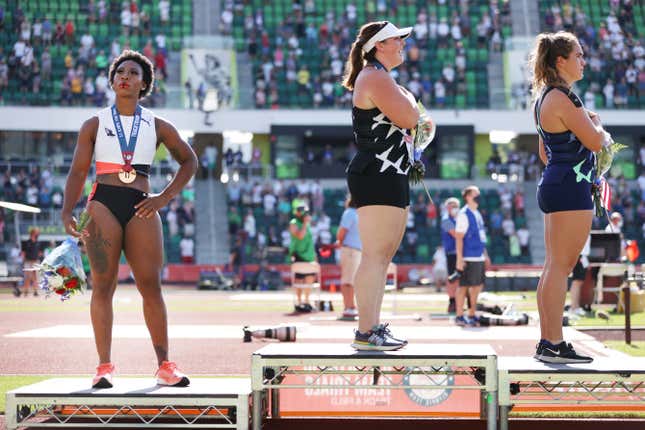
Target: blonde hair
{"type": "Point", "coordinates": [468, 190]}
{"type": "Point", "coordinates": [357, 56]}
{"type": "Point", "coordinates": [543, 58]}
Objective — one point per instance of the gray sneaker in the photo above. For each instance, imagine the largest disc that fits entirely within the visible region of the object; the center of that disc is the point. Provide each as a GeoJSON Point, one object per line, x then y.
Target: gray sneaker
{"type": "Point", "coordinates": [378, 339]}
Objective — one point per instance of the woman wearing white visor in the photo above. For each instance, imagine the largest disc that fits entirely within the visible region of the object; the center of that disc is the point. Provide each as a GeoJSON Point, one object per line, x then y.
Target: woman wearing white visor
{"type": "Point", "coordinates": [382, 115]}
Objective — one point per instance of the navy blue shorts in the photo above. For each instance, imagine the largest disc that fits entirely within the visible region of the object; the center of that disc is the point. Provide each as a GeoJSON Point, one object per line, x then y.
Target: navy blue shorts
{"type": "Point", "coordinates": [559, 191]}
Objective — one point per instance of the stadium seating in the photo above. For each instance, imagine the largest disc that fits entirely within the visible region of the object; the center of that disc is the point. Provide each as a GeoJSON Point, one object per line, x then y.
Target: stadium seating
{"type": "Point", "coordinates": [16, 188]}
{"type": "Point", "coordinates": [429, 233]}
{"type": "Point", "coordinates": [598, 13]}
{"type": "Point", "coordinates": [470, 88]}
{"type": "Point", "coordinates": [103, 32]}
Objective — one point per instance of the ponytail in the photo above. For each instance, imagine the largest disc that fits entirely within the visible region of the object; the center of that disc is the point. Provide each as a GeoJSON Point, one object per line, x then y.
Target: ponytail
{"type": "Point", "coordinates": [358, 57]}
{"type": "Point", "coordinates": [543, 58]}
{"type": "Point", "coordinates": [354, 64]}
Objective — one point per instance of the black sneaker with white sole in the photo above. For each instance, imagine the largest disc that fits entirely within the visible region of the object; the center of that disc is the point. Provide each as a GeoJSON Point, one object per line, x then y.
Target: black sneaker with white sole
{"type": "Point", "coordinates": [562, 353]}
{"type": "Point", "coordinates": [378, 339]}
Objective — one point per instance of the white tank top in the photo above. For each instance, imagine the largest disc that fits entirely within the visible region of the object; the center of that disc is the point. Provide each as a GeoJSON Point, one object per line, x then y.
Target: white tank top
{"type": "Point", "coordinates": [107, 149]}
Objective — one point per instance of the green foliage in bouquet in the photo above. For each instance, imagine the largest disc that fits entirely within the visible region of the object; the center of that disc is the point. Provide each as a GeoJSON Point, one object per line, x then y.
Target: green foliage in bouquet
{"type": "Point", "coordinates": [604, 159]}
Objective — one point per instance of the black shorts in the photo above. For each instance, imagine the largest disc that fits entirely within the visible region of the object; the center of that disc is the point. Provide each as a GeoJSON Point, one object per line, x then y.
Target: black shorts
{"type": "Point", "coordinates": [474, 274]}
{"type": "Point", "coordinates": [295, 257]}
{"type": "Point", "coordinates": [386, 190]}
{"type": "Point", "coordinates": [579, 272]}
{"type": "Point", "coordinates": [452, 263]}
{"type": "Point", "coordinates": [119, 200]}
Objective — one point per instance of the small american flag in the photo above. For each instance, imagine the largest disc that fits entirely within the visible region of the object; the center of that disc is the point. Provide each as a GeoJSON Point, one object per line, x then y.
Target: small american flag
{"type": "Point", "coordinates": [605, 194]}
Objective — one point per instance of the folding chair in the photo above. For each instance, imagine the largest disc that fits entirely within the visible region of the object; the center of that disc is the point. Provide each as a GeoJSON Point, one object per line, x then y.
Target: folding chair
{"type": "Point", "coordinates": [609, 269]}
{"type": "Point", "coordinates": [305, 268]}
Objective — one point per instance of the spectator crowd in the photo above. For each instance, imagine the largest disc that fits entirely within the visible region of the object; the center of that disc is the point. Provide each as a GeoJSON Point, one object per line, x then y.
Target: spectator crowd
{"type": "Point", "coordinates": [300, 48]}
{"type": "Point", "coordinates": [63, 57]}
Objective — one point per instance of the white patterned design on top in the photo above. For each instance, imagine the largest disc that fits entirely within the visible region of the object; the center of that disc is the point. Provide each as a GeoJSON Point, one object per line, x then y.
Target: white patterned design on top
{"type": "Point", "coordinates": [383, 156]}
{"type": "Point", "coordinates": [380, 120]}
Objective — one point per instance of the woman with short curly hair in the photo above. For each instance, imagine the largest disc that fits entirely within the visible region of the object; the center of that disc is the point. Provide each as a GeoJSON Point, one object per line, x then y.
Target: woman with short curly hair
{"type": "Point", "coordinates": [123, 139]}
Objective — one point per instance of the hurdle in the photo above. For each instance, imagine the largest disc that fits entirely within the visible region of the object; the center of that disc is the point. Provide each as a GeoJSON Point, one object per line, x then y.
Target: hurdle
{"type": "Point", "coordinates": [425, 362]}
{"type": "Point", "coordinates": [607, 382]}
{"type": "Point", "coordinates": [131, 403]}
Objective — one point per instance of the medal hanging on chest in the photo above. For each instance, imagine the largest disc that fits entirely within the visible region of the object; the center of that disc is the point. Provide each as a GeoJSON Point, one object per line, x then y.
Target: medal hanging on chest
{"type": "Point", "coordinates": [127, 175]}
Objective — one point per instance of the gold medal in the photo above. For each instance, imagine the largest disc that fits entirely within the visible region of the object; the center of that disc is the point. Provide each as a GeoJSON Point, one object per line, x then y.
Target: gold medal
{"type": "Point", "coordinates": [127, 177]}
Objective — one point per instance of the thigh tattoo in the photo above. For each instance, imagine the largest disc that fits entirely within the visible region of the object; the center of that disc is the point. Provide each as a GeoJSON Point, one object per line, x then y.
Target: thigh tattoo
{"type": "Point", "coordinates": [97, 246]}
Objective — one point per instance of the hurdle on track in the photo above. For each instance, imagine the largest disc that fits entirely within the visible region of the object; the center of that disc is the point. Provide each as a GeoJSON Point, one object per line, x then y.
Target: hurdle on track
{"type": "Point", "coordinates": [272, 366]}
{"type": "Point", "coordinates": [131, 403]}
{"type": "Point", "coordinates": [604, 384]}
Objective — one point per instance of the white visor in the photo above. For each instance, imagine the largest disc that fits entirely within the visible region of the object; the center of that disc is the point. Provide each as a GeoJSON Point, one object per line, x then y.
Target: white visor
{"type": "Point", "coordinates": [390, 30]}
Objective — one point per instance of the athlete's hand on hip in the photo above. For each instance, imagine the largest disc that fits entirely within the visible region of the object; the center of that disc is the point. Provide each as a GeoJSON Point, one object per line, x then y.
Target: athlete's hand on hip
{"type": "Point", "coordinates": [150, 205]}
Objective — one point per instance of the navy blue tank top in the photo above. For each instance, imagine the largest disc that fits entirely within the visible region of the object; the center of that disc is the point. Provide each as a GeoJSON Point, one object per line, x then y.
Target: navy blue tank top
{"type": "Point", "coordinates": [564, 151]}
{"type": "Point", "coordinates": [383, 147]}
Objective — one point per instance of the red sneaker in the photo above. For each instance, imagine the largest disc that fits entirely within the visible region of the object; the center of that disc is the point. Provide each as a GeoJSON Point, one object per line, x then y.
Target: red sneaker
{"type": "Point", "coordinates": [168, 374]}
{"type": "Point", "coordinates": [103, 378]}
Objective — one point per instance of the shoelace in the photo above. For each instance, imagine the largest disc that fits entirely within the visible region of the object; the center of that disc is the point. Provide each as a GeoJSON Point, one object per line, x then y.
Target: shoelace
{"type": "Point", "coordinates": [383, 330]}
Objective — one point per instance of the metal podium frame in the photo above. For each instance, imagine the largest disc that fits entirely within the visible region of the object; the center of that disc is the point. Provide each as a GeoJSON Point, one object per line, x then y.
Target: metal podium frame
{"type": "Point", "coordinates": [524, 380]}
{"type": "Point", "coordinates": [28, 406]}
{"type": "Point", "coordinates": [270, 364]}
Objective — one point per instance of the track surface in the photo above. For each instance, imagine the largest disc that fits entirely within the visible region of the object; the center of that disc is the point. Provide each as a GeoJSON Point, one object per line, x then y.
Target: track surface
{"type": "Point", "coordinates": [48, 337]}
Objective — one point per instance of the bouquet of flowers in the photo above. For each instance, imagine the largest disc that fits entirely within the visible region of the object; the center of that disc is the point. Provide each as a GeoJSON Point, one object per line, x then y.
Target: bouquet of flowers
{"type": "Point", "coordinates": [423, 134]}
{"type": "Point", "coordinates": [600, 190]}
{"type": "Point", "coordinates": [62, 271]}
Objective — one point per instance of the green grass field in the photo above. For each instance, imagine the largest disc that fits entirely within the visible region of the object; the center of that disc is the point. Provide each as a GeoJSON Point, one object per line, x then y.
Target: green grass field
{"type": "Point", "coordinates": [8, 383]}
{"type": "Point", "coordinates": [636, 348]}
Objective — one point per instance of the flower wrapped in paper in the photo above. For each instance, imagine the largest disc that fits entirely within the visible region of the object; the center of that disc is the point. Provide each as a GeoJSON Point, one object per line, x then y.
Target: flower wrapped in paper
{"type": "Point", "coordinates": [423, 133]}
{"type": "Point", "coordinates": [62, 272]}
{"type": "Point", "coordinates": [601, 191]}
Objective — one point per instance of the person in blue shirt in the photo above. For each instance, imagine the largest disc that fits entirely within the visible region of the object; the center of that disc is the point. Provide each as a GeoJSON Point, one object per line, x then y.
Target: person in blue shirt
{"type": "Point", "coordinates": [349, 241]}
{"type": "Point", "coordinates": [448, 234]}
{"type": "Point", "coordinates": [472, 259]}
{"type": "Point", "coordinates": [568, 137]}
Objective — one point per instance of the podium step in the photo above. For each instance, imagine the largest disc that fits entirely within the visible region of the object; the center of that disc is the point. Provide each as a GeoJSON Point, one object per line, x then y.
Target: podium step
{"type": "Point", "coordinates": [421, 371]}
{"type": "Point", "coordinates": [605, 384]}
{"type": "Point", "coordinates": [131, 403]}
